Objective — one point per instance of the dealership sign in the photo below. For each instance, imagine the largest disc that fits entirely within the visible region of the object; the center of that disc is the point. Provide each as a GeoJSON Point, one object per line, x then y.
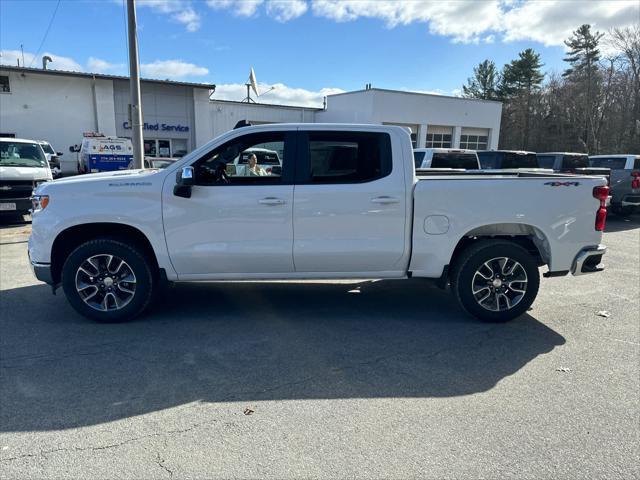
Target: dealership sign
{"type": "Point", "coordinates": [164, 127]}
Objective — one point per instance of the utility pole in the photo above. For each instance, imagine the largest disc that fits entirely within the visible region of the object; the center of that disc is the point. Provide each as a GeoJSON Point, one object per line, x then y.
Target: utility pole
{"type": "Point", "coordinates": [135, 105]}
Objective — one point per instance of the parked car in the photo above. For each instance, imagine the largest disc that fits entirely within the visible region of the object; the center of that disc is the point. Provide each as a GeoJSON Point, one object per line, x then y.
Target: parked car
{"type": "Point", "coordinates": [23, 166]}
{"type": "Point", "coordinates": [625, 180]}
{"type": "Point", "coordinates": [99, 153]}
{"type": "Point", "coordinates": [53, 158]}
{"type": "Point", "coordinates": [507, 159]}
{"type": "Point", "coordinates": [348, 205]}
{"type": "Point", "coordinates": [567, 162]}
{"type": "Point", "coordinates": [446, 158]}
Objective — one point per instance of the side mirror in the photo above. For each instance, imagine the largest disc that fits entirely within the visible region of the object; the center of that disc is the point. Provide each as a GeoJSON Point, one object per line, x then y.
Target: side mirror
{"type": "Point", "coordinates": [185, 179]}
{"type": "Point", "coordinates": [59, 154]}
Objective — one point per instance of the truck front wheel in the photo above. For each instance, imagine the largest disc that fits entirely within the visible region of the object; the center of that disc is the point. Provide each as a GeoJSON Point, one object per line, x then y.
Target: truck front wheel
{"type": "Point", "coordinates": [495, 280]}
{"type": "Point", "coordinates": [107, 280]}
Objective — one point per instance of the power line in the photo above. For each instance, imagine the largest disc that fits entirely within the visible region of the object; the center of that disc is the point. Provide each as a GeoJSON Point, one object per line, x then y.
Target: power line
{"type": "Point", "coordinates": [46, 33]}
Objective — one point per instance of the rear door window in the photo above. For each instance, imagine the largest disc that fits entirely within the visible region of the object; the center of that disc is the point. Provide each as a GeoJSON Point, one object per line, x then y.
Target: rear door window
{"type": "Point", "coordinates": [347, 157]}
{"type": "Point", "coordinates": [468, 161]}
{"type": "Point", "coordinates": [418, 157]}
{"type": "Point", "coordinates": [614, 163]}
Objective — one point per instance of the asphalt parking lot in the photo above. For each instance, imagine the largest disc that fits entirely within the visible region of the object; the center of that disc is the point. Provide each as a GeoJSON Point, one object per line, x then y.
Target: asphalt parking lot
{"type": "Point", "coordinates": [324, 379]}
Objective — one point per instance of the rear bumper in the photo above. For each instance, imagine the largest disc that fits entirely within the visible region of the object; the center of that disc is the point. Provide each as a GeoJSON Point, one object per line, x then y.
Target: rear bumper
{"type": "Point", "coordinates": [632, 200]}
{"type": "Point", "coordinates": [588, 260]}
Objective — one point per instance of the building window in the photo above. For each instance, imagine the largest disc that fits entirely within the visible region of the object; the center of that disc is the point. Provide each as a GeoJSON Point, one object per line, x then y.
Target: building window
{"type": "Point", "coordinates": [4, 84]}
{"type": "Point", "coordinates": [474, 142]}
{"type": "Point", "coordinates": [438, 140]}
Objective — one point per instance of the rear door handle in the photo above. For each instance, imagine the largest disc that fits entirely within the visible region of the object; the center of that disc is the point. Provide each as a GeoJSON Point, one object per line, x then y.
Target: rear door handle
{"type": "Point", "coordinates": [385, 200]}
{"type": "Point", "coordinates": [271, 201]}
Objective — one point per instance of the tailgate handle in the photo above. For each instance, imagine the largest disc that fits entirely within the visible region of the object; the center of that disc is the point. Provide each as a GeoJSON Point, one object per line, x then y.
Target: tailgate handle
{"type": "Point", "coordinates": [271, 201]}
{"type": "Point", "coordinates": [385, 200]}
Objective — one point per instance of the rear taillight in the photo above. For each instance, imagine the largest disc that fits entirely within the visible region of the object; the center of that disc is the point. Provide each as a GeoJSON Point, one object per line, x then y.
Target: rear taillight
{"type": "Point", "coordinates": [601, 193]}
{"type": "Point", "coordinates": [635, 183]}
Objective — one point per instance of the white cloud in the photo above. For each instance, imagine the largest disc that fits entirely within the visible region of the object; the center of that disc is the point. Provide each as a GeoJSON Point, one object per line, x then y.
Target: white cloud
{"type": "Point", "coordinates": [462, 20]}
{"type": "Point", "coordinates": [280, 95]}
{"type": "Point", "coordinates": [11, 57]}
{"type": "Point", "coordinates": [173, 69]}
{"type": "Point", "coordinates": [97, 65]}
{"type": "Point", "coordinates": [550, 23]}
{"type": "Point", "coordinates": [241, 8]}
{"type": "Point", "coordinates": [285, 10]}
{"type": "Point", "coordinates": [180, 11]}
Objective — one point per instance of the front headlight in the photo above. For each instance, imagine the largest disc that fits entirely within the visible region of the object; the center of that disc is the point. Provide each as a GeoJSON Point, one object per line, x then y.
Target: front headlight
{"type": "Point", "coordinates": [37, 183]}
{"type": "Point", "coordinates": [39, 202]}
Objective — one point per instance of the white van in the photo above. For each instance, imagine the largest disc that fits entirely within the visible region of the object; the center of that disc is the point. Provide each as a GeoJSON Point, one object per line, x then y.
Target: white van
{"type": "Point", "coordinates": [23, 166]}
{"type": "Point", "coordinates": [104, 154]}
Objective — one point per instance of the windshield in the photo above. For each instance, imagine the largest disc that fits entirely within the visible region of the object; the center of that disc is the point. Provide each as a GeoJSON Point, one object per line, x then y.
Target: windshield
{"type": "Point", "coordinates": [19, 154]}
{"type": "Point", "coordinates": [468, 161]}
{"type": "Point", "coordinates": [418, 157]}
{"type": "Point", "coordinates": [47, 148]}
{"type": "Point", "coordinates": [609, 162]}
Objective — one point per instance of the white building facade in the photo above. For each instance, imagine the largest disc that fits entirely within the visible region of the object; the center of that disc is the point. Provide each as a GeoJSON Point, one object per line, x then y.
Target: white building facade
{"type": "Point", "coordinates": [60, 106]}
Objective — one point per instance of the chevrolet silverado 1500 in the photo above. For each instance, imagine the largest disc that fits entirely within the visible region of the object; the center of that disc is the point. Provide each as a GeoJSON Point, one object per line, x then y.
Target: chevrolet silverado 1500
{"type": "Point", "coordinates": [347, 203]}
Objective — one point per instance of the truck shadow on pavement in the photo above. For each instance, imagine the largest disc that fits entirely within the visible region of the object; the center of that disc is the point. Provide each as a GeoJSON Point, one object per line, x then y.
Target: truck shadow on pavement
{"type": "Point", "coordinates": [247, 342]}
{"type": "Point", "coordinates": [620, 223]}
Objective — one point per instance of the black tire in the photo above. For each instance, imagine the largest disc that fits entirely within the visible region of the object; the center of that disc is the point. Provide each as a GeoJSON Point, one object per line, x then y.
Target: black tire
{"type": "Point", "coordinates": [467, 271]}
{"type": "Point", "coordinates": [135, 262]}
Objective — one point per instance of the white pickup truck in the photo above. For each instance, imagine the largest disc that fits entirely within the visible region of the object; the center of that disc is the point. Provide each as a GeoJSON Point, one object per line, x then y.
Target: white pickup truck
{"type": "Point", "coordinates": [347, 203]}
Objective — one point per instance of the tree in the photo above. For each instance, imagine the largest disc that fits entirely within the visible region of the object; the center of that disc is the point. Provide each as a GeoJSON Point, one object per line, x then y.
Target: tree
{"type": "Point", "coordinates": [484, 83]}
{"type": "Point", "coordinates": [521, 79]}
{"type": "Point", "coordinates": [583, 59]}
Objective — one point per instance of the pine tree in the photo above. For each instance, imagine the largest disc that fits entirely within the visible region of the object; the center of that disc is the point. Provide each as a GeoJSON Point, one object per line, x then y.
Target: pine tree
{"type": "Point", "coordinates": [583, 68]}
{"type": "Point", "coordinates": [521, 79]}
{"type": "Point", "coordinates": [484, 83]}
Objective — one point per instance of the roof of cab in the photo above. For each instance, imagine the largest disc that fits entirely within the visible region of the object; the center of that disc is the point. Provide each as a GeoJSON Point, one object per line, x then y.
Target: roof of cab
{"type": "Point", "coordinates": [19, 140]}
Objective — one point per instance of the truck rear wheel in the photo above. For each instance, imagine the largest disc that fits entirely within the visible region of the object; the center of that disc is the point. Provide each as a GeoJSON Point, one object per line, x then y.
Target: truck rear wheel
{"type": "Point", "coordinates": [107, 280]}
{"type": "Point", "coordinates": [495, 280]}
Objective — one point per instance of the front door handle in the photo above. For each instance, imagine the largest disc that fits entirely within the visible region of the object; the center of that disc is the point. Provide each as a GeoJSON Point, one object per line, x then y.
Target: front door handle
{"type": "Point", "coordinates": [271, 201]}
{"type": "Point", "coordinates": [385, 200]}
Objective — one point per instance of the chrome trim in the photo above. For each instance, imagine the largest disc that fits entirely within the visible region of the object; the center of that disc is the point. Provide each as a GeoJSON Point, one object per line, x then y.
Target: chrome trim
{"type": "Point", "coordinates": [630, 204]}
{"type": "Point", "coordinates": [583, 255]}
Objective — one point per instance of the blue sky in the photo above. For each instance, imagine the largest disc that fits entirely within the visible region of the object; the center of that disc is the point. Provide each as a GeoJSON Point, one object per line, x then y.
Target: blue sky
{"type": "Point", "coordinates": [304, 47]}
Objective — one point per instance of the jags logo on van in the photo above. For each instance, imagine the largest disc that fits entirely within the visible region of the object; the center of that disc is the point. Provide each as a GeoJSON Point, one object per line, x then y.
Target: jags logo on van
{"type": "Point", "coordinates": [111, 147]}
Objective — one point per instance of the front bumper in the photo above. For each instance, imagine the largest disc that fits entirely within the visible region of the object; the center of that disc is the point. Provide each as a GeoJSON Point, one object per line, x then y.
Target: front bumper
{"type": "Point", "coordinates": [42, 271]}
{"type": "Point", "coordinates": [23, 205]}
{"type": "Point", "coordinates": [588, 260]}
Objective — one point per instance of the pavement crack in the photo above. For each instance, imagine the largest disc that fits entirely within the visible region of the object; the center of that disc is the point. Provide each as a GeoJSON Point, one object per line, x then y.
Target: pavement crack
{"type": "Point", "coordinates": [160, 461]}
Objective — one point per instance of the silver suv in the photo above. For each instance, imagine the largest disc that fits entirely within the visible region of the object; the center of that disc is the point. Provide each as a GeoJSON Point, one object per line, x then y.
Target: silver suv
{"type": "Point", "coordinates": [625, 180]}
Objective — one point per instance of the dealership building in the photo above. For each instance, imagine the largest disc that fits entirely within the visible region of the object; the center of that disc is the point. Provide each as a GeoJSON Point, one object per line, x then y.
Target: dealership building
{"type": "Point", "coordinates": [59, 106]}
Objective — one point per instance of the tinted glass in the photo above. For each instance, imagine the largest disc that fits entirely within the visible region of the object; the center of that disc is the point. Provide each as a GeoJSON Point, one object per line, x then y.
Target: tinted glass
{"type": "Point", "coordinates": [608, 162]}
{"type": "Point", "coordinates": [570, 162]}
{"type": "Point", "coordinates": [516, 160]}
{"type": "Point", "coordinates": [546, 161]}
{"type": "Point", "coordinates": [489, 159]}
{"type": "Point", "coordinates": [20, 154]}
{"type": "Point", "coordinates": [348, 157]}
{"type": "Point", "coordinates": [636, 164]}
{"type": "Point", "coordinates": [467, 161]}
{"type": "Point", "coordinates": [418, 157]}
{"type": "Point", "coordinates": [47, 148]}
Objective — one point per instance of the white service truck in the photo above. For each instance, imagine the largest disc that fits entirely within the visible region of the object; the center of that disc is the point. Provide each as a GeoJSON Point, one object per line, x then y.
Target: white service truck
{"type": "Point", "coordinates": [347, 203]}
